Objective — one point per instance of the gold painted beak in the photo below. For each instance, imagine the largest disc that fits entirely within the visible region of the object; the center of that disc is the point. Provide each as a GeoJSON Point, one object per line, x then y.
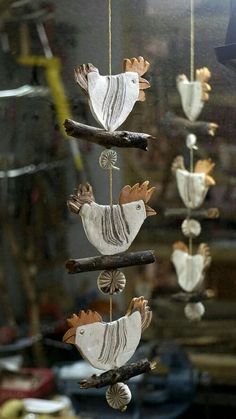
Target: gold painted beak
{"type": "Point", "coordinates": [149, 211]}
{"type": "Point", "coordinates": [69, 336]}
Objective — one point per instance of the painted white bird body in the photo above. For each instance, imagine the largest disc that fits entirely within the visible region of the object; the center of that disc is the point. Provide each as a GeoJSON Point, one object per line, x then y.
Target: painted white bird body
{"type": "Point", "coordinates": [193, 94]}
{"type": "Point", "coordinates": [112, 228]}
{"type": "Point", "coordinates": [190, 269]}
{"type": "Point", "coordinates": [112, 98]}
{"type": "Point", "coordinates": [108, 345]}
{"type": "Point", "coordinates": [193, 186]}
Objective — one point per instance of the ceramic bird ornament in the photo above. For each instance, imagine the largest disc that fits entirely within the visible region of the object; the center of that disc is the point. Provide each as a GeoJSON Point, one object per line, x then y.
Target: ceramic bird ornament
{"type": "Point", "coordinates": [112, 228]}
{"type": "Point", "coordinates": [193, 94]}
{"type": "Point", "coordinates": [190, 269]}
{"type": "Point", "coordinates": [193, 187]}
{"type": "Point", "coordinates": [108, 345]}
{"type": "Point", "coordinates": [112, 98]}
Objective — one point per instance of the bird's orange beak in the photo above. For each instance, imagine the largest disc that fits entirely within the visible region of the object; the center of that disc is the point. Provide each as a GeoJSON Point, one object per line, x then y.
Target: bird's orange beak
{"type": "Point", "coordinates": [69, 336]}
{"type": "Point", "coordinates": [149, 211]}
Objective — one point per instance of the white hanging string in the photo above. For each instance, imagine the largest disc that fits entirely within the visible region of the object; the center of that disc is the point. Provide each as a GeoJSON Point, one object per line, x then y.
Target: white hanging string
{"type": "Point", "coordinates": [192, 40]}
{"type": "Point", "coordinates": [110, 71]}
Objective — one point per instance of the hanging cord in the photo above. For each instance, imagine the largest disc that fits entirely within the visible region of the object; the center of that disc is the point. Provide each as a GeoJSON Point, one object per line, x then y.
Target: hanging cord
{"type": "Point", "coordinates": [110, 71]}
{"type": "Point", "coordinates": [109, 36]}
{"type": "Point", "coordinates": [189, 212]}
{"type": "Point", "coordinates": [192, 40]}
{"type": "Point", "coordinates": [192, 55]}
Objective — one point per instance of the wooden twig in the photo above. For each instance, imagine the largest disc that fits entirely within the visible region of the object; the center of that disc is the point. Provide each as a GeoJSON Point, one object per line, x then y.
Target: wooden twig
{"type": "Point", "coordinates": [118, 375]}
{"type": "Point", "coordinates": [193, 297]}
{"type": "Point", "coordinates": [173, 126]}
{"type": "Point", "coordinates": [106, 138]}
{"type": "Point", "coordinates": [99, 263]}
{"type": "Point", "coordinates": [183, 212]}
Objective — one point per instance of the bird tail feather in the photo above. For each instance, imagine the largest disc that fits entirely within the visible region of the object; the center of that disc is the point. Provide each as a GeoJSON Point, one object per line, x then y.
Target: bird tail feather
{"type": "Point", "coordinates": [141, 305]}
{"type": "Point", "coordinates": [83, 195]}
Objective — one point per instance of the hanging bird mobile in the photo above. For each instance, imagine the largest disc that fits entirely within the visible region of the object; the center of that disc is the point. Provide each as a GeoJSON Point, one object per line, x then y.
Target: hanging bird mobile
{"type": "Point", "coordinates": [193, 184]}
{"type": "Point", "coordinates": [111, 228]}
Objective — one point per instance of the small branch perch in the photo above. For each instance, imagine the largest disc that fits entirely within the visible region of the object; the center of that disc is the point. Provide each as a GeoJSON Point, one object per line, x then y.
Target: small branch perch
{"type": "Point", "coordinates": [106, 138]}
{"type": "Point", "coordinates": [99, 263]}
{"type": "Point", "coordinates": [193, 297]}
{"type": "Point", "coordinates": [173, 126]}
{"type": "Point", "coordinates": [118, 375]}
{"type": "Point", "coordinates": [183, 212]}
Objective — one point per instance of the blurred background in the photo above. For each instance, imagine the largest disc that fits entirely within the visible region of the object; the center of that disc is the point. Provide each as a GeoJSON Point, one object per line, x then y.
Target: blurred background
{"type": "Point", "coordinates": [41, 43]}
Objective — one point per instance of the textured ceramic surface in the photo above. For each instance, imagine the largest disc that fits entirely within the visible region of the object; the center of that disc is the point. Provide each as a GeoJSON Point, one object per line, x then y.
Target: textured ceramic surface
{"type": "Point", "coordinates": [194, 311]}
{"type": "Point", "coordinates": [191, 228]}
{"type": "Point", "coordinates": [189, 269]}
{"type": "Point", "coordinates": [108, 159]}
{"type": "Point", "coordinates": [109, 345]}
{"type": "Point", "coordinates": [112, 98]}
{"type": "Point", "coordinates": [191, 97]}
{"type": "Point", "coordinates": [112, 229]}
{"type": "Point", "coordinates": [111, 282]}
{"type": "Point", "coordinates": [192, 188]}
{"type": "Point", "coordinates": [118, 396]}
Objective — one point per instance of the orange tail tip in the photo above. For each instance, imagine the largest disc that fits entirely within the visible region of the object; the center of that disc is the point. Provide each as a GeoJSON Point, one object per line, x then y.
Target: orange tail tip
{"type": "Point", "coordinates": [141, 305]}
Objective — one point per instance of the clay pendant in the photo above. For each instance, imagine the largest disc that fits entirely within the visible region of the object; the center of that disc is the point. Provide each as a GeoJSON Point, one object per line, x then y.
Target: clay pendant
{"type": "Point", "coordinates": [190, 269]}
{"type": "Point", "coordinates": [191, 97]}
{"type": "Point", "coordinates": [109, 345]}
{"type": "Point", "coordinates": [193, 94]}
{"type": "Point", "coordinates": [112, 98]}
{"type": "Point", "coordinates": [112, 228]}
{"type": "Point", "coordinates": [193, 186]}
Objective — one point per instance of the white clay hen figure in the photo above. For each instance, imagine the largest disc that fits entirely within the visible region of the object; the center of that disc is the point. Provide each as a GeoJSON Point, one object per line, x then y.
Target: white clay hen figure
{"type": "Point", "coordinates": [190, 269]}
{"type": "Point", "coordinates": [112, 98]}
{"type": "Point", "coordinates": [108, 345]}
{"type": "Point", "coordinates": [193, 186]}
{"type": "Point", "coordinates": [112, 228]}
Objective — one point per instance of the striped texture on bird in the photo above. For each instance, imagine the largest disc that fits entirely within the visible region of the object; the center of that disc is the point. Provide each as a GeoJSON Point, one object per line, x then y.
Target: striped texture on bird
{"type": "Point", "coordinates": [112, 98]}
{"type": "Point", "coordinates": [190, 269]}
{"type": "Point", "coordinates": [193, 187]}
{"type": "Point", "coordinates": [109, 345]}
{"type": "Point", "coordinates": [112, 228]}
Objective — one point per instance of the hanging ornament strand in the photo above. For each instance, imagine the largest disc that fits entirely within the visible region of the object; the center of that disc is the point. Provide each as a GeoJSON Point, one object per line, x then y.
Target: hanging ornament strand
{"type": "Point", "coordinates": [110, 169]}
{"type": "Point", "coordinates": [192, 56]}
{"type": "Point", "coordinates": [192, 40]}
{"type": "Point", "coordinates": [109, 37]}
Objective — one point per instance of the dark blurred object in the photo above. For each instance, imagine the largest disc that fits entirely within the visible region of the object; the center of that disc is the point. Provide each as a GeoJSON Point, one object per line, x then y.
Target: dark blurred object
{"type": "Point", "coordinates": [174, 126]}
{"type": "Point", "coordinates": [8, 334]}
{"type": "Point", "coordinates": [226, 54]}
{"type": "Point", "coordinates": [27, 382]}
